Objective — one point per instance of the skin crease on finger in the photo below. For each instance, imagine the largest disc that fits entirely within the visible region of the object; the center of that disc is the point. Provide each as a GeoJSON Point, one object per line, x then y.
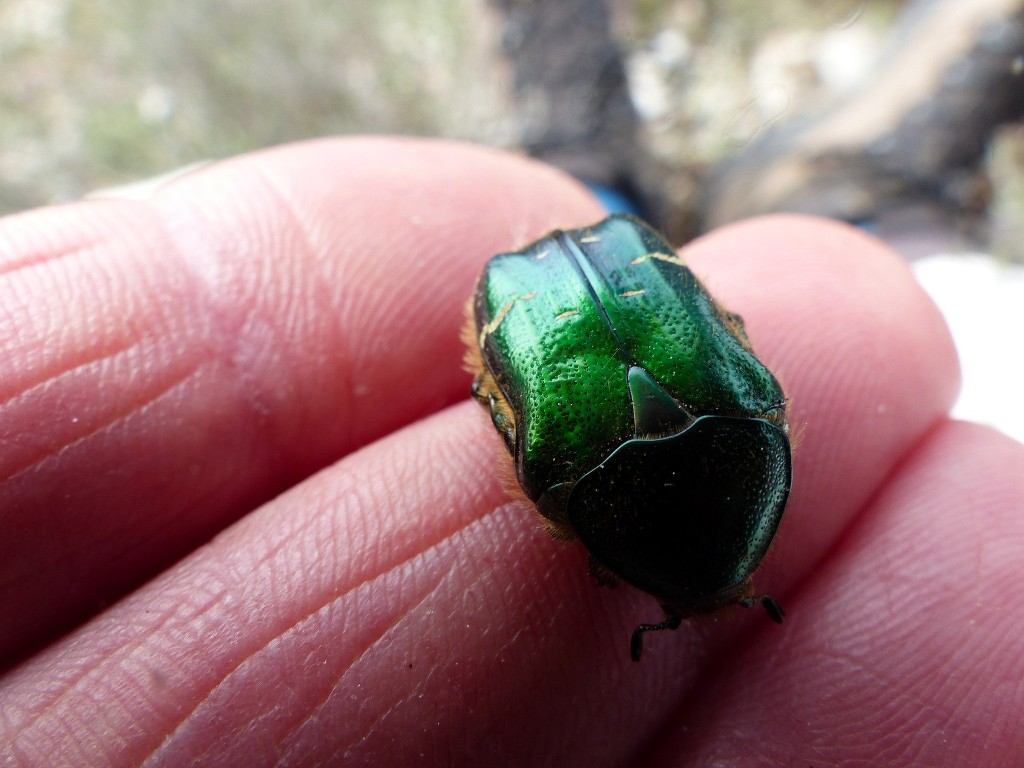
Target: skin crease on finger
{"type": "Point", "coordinates": [245, 327]}
{"type": "Point", "coordinates": [396, 606]}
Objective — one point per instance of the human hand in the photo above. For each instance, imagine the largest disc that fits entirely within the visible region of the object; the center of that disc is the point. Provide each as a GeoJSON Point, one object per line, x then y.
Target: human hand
{"type": "Point", "coordinates": [171, 366]}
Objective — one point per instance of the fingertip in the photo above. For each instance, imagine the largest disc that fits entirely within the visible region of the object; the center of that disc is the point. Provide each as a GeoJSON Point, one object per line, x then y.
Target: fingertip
{"type": "Point", "coordinates": [863, 354]}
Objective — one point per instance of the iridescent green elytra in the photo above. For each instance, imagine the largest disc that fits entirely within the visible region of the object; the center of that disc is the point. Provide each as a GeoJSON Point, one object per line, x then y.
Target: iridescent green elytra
{"type": "Point", "coordinates": [637, 415]}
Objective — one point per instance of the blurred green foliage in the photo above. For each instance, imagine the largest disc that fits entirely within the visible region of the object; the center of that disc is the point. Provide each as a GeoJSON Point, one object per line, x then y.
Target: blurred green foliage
{"type": "Point", "coordinates": [100, 92]}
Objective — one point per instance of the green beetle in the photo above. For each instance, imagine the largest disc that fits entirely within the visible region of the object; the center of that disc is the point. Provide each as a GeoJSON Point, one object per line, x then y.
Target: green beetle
{"type": "Point", "coordinates": [637, 416]}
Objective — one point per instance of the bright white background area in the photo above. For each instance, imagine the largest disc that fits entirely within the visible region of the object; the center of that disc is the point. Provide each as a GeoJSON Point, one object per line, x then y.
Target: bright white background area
{"type": "Point", "coordinates": [982, 299]}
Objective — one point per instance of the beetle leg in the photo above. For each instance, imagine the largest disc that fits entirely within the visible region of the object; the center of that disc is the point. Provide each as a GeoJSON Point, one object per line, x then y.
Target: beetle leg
{"type": "Point", "coordinates": [636, 643]}
{"type": "Point", "coordinates": [772, 608]}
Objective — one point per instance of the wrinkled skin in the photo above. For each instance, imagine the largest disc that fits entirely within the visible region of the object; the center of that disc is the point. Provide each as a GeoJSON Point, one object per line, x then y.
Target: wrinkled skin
{"type": "Point", "coordinates": [177, 370]}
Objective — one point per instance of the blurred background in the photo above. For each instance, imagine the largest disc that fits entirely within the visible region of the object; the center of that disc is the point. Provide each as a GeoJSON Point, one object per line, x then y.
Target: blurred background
{"type": "Point", "coordinates": [901, 117]}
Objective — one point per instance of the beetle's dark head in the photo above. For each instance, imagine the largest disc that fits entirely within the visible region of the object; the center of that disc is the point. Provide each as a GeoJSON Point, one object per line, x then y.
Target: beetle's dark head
{"type": "Point", "coordinates": [687, 518]}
